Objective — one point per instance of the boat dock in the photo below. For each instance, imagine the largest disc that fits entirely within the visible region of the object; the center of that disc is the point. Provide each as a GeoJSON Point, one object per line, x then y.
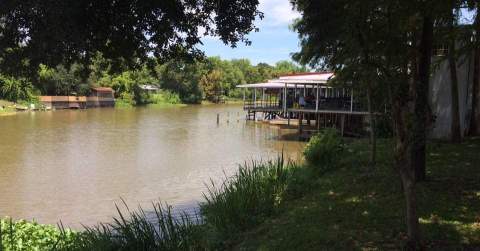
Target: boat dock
{"type": "Point", "coordinates": [306, 102]}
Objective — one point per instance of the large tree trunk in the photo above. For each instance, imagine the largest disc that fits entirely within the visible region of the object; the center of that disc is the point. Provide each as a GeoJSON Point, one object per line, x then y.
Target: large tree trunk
{"type": "Point", "coordinates": [456, 134]}
{"type": "Point", "coordinates": [403, 150]}
{"type": "Point", "coordinates": [373, 137]}
{"type": "Point", "coordinates": [421, 107]}
{"type": "Point", "coordinates": [475, 121]}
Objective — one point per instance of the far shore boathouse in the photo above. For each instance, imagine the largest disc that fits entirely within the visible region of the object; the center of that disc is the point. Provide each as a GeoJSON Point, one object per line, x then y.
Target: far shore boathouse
{"type": "Point", "coordinates": [306, 101]}
{"type": "Point", "coordinates": [99, 97]}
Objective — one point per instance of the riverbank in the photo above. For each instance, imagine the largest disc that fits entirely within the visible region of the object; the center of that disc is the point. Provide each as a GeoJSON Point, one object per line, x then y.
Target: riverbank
{"type": "Point", "coordinates": [357, 208]}
{"type": "Point", "coordinates": [282, 206]}
{"type": "Point", "coordinates": [6, 108]}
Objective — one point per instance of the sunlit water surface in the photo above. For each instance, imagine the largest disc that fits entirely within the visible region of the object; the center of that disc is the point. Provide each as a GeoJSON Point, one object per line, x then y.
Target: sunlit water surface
{"type": "Point", "coordinates": [74, 166]}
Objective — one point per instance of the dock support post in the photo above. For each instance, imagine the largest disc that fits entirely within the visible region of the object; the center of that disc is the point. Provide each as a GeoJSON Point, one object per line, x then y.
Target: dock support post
{"type": "Point", "coordinates": [351, 101]}
{"type": "Point", "coordinates": [342, 124]}
{"type": "Point", "coordinates": [244, 93]}
{"type": "Point", "coordinates": [295, 93]}
{"type": "Point", "coordinates": [263, 97]}
{"type": "Point", "coordinates": [218, 118]}
{"type": "Point", "coordinates": [300, 123]}
{"type": "Point", "coordinates": [285, 100]}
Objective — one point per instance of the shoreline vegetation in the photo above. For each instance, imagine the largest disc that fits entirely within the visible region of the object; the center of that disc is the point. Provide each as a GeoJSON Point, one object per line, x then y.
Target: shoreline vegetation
{"type": "Point", "coordinates": [209, 79]}
{"type": "Point", "coordinates": [329, 202]}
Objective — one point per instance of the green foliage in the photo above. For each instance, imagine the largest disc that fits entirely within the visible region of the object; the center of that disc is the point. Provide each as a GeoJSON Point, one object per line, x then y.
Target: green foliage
{"type": "Point", "coordinates": [23, 235]}
{"type": "Point", "coordinates": [62, 81]}
{"type": "Point", "coordinates": [192, 80]}
{"type": "Point", "coordinates": [211, 85]}
{"type": "Point", "coordinates": [182, 77]}
{"type": "Point", "coordinates": [324, 149]}
{"type": "Point", "coordinates": [247, 198]}
{"type": "Point", "coordinates": [165, 97]}
{"type": "Point", "coordinates": [15, 89]}
{"type": "Point", "coordinates": [38, 32]}
{"type": "Point", "coordinates": [127, 85]}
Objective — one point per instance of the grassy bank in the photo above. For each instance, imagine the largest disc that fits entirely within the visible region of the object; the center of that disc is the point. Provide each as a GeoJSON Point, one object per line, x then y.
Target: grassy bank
{"type": "Point", "coordinates": [282, 206]}
{"type": "Point", "coordinates": [357, 208]}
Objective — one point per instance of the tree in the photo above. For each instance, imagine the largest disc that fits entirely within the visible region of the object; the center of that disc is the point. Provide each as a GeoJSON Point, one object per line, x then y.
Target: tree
{"type": "Point", "coordinates": [182, 77]}
{"type": "Point", "coordinates": [53, 33]}
{"type": "Point", "coordinates": [475, 122]}
{"type": "Point", "coordinates": [456, 132]}
{"type": "Point", "coordinates": [62, 81]}
{"type": "Point", "coordinates": [287, 67]}
{"type": "Point", "coordinates": [390, 41]}
{"type": "Point", "coordinates": [211, 85]}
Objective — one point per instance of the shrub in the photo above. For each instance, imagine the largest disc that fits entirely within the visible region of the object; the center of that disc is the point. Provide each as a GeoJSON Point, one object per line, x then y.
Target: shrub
{"type": "Point", "coordinates": [14, 89]}
{"type": "Point", "coordinates": [323, 149]}
{"type": "Point", "coordinates": [23, 235]}
{"type": "Point", "coordinates": [165, 97]}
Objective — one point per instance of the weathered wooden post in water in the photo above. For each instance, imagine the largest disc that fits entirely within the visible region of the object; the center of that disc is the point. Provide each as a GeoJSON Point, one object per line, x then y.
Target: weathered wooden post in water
{"type": "Point", "coordinates": [218, 118]}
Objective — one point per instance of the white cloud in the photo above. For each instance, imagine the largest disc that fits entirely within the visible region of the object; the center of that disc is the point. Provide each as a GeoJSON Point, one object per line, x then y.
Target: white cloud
{"type": "Point", "coordinates": [277, 12]}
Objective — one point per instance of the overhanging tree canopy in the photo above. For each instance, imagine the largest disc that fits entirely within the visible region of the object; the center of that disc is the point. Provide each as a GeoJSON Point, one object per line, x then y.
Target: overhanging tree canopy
{"type": "Point", "coordinates": [59, 31]}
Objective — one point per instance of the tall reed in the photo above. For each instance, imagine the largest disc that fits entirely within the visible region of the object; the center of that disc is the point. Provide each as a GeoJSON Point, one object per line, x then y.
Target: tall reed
{"type": "Point", "coordinates": [139, 230]}
{"type": "Point", "coordinates": [247, 198]}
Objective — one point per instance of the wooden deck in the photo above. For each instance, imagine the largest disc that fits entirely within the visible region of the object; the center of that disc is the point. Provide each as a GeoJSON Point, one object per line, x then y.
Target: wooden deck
{"type": "Point", "coordinates": [346, 121]}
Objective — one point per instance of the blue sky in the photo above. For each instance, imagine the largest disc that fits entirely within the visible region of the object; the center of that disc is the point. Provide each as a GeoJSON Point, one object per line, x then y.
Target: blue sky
{"type": "Point", "coordinates": [274, 42]}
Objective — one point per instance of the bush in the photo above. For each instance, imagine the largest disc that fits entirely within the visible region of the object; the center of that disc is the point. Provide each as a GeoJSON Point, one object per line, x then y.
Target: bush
{"type": "Point", "coordinates": [14, 89]}
{"type": "Point", "coordinates": [323, 149]}
{"type": "Point", "coordinates": [165, 97]}
{"type": "Point", "coordinates": [23, 235]}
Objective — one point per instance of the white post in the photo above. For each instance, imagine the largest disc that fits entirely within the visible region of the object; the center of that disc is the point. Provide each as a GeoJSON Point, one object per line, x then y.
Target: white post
{"type": "Point", "coordinates": [244, 92]}
{"type": "Point", "coordinates": [351, 101]}
{"type": "Point", "coordinates": [316, 101]}
{"type": "Point", "coordinates": [285, 99]}
{"type": "Point", "coordinates": [263, 97]}
{"type": "Point", "coordinates": [304, 91]}
{"type": "Point", "coordinates": [295, 92]}
{"type": "Point", "coordinates": [255, 97]}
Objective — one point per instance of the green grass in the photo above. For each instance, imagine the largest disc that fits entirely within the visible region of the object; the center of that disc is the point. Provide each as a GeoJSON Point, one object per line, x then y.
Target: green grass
{"type": "Point", "coordinates": [358, 208]}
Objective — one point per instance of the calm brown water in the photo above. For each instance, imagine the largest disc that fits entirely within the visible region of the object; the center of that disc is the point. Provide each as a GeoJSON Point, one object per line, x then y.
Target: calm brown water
{"type": "Point", "coordinates": [75, 165]}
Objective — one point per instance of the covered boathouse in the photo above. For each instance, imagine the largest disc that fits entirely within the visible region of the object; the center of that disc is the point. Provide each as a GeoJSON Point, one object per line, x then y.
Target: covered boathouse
{"type": "Point", "coordinates": [99, 97]}
{"type": "Point", "coordinates": [307, 101]}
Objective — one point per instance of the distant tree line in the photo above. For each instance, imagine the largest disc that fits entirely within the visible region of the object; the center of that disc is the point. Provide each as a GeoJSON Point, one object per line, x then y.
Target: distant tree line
{"type": "Point", "coordinates": [209, 78]}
